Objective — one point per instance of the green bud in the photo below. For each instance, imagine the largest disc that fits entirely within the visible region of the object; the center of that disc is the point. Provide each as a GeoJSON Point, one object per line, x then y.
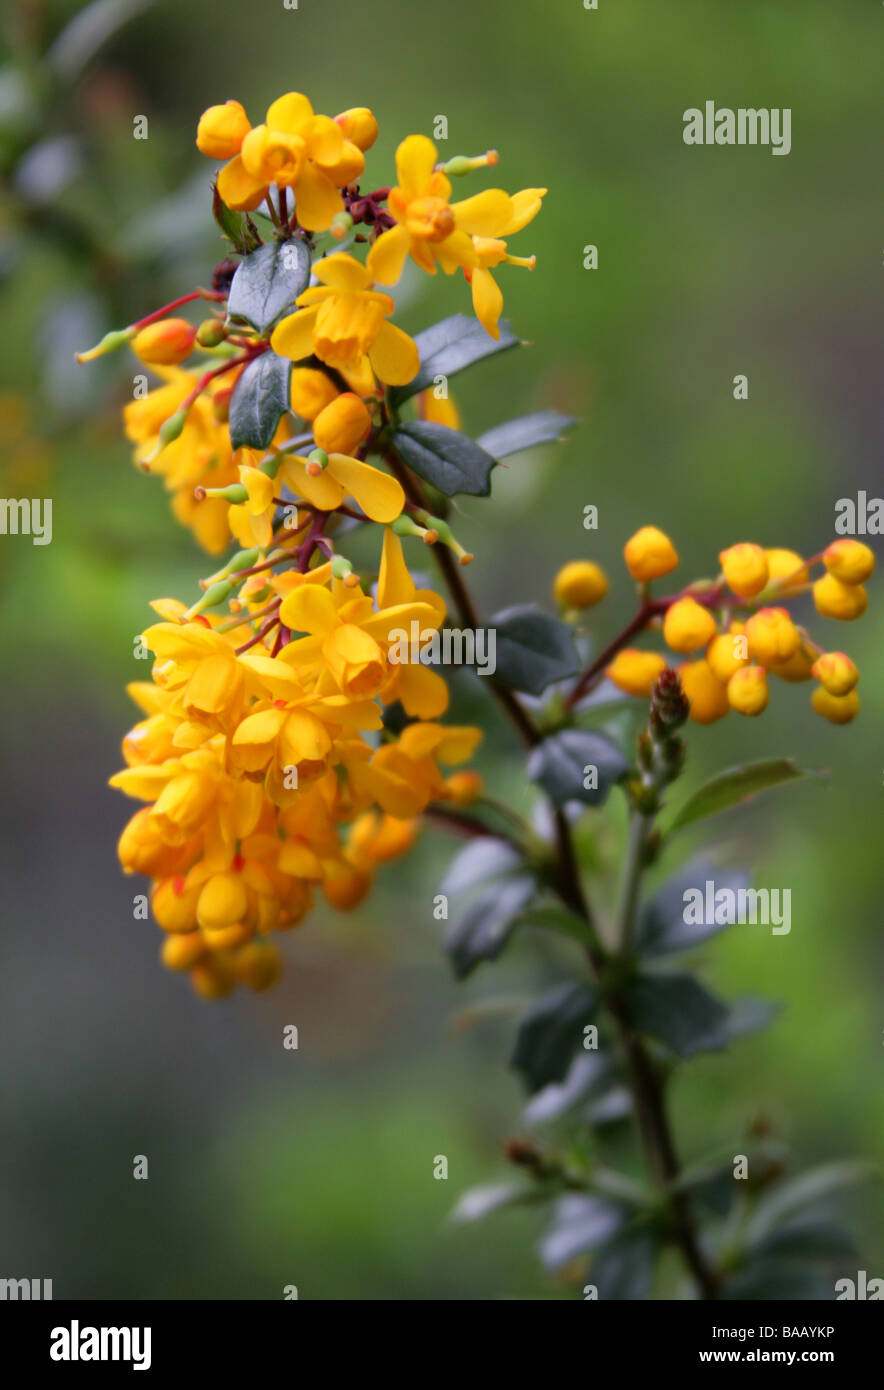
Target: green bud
{"type": "Point", "coordinates": [215, 594]}
{"type": "Point", "coordinates": [341, 567]}
{"type": "Point", "coordinates": [110, 342]}
{"type": "Point", "coordinates": [210, 333]}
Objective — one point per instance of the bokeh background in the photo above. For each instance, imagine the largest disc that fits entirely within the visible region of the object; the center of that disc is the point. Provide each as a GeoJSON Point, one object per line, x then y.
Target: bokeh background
{"type": "Point", "coordinates": [270, 1167]}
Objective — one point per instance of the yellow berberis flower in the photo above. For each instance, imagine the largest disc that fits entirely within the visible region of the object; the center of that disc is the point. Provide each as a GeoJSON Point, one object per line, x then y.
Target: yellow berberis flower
{"type": "Point", "coordinates": [294, 148]}
{"type": "Point", "coordinates": [344, 322]}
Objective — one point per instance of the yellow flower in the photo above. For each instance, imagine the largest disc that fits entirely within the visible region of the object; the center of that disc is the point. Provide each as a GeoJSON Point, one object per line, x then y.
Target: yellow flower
{"type": "Point", "coordinates": [649, 554]}
{"type": "Point", "coordinates": [687, 625]}
{"type": "Point", "coordinates": [836, 673]}
{"type": "Point", "coordinates": [634, 671]}
{"type": "Point", "coordinates": [344, 321]}
{"type": "Point", "coordinates": [491, 251]}
{"type": "Point", "coordinates": [747, 690]}
{"type": "Point", "coordinates": [439, 410]}
{"type": "Point", "coordinates": [251, 521]}
{"type": "Point", "coordinates": [850, 561]}
{"type": "Point", "coordinates": [707, 696]}
{"type": "Point", "coordinates": [221, 130]}
{"type": "Point", "coordinates": [311, 391]}
{"type": "Point", "coordinates": [745, 568]}
{"type": "Point", "coordinates": [580, 584]}
{"type": "Point", "coordinates": [836, 599]}
{"type": "Point", "coordinates": [342, 425]}
{"type": "Point", "coordinates": [294, 148]}
{"type": "Point", "coordinates": [379, 495]}
{"type": "Point", "coordinates": [772, 636]}
{"type": "Point", "coordinates": [838, 709]}
{"type": "Point", "coordinates": [724, 653]}
{"type": "Point", "coordinates": [786, 564]}
{"type": "Point", "coordinates": [429, 227]}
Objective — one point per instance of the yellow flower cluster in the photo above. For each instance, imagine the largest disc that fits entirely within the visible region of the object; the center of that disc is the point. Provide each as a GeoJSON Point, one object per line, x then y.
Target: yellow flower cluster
{"type": "Point", "coordinates": [737, 625]}
{"type": "Point", "coordinates": [266, 767]}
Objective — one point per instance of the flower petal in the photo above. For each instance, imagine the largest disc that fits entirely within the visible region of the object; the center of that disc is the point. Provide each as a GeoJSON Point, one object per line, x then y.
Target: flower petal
{"type": "Point", "coordinates": [485, 213]}
{"type": "Point", "coordinates": [238, 189]}
{"type": "Point", "coordinates": [415, 160]}
{"type": "Point", "coordinates": [293, 337]}
{"type": "Point", "coordinates": [309, 609]}
{"type": "Point", "coordinates": [487, 301]}
{"type": "Point", "coordinates": [387, 257]}
{"type": "Point", "coordinates": [380, 496]}
{"type": "Point", "coordinates": [290, 113]}
{"type": "Point", "coordinates": [316, 199]}
{"type": "Point", "coordinates": [342, 272]}
{"type": "Point", "coordinates": [394, 356]}
{"type": "Point", "coordinates": [395, 584]}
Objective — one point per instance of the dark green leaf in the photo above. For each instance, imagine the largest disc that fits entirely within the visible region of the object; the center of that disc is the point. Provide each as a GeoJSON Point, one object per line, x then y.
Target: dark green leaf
{"type": "Point", "coordinates": [480, 859]}
{"type": "Point", "coordinates": [679, 1011]}
{"type": "Point", "coordinates": [778, 1280]}
{"type": "Point", "coordinates": [447, 348]}
{"type": "Point", "coordinates": [260, 399]}
{"type": "Point", "coordinates": [662, 929]}
{"type": "Point", "coordinates": [712, 1187]}
{"type": "Point", "coordinates": [551, 1033]}
{"type": "Point", "coordinates": [734, 786]}
{"type": "Point", "coordinates": [580, 1224]}
{"type": "Point", "coordinates": [268, 282]}
{"type": "Point", "coordinates": [543, 427]}
{"type": "Point", "coordinates": [558, 764]}
{"type": "Point", "coordinates": [532, 649]}
{"type": "Point", "coordinates": [808, 1190]}
{"type": "Point", "coordinates": [588, 1071]}
{"type": "Point", "coordinates": [480, 1202]}
{"type": "Point", "coordinates": [624, 1268]}
{"type": "Point", "coordinates": [808, 1236]}
{"type": "Point", "coordinates": [445, 458]}
{"type": "Point", "coordinates": [483, 928]}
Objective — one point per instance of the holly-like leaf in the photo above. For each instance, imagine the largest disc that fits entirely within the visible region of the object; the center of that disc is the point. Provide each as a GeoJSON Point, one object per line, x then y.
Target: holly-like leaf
{"type": "Point", "coordinates": [479, 1202]}
{"type": "Point", "coordinates": [511, 437]}
{"type": "Point", "coordinates": [532, 649]}
{"type": "Point", "coordinates": [268, 282]}
{"type": "Point", "coordinates": [445, 458]}
{"type": "Point", "coordinates": [481, 859]}
{"type": "Point", "coordinates": [484, 927]}
{"type": "Point", "coordinates": [804, 1192]}
{"type": "Point", "coordinates": [678, 1011]}
{"type": "Point", "coordinates": [260, 399]}
{"type": "Point", "coordinates": [734, 786]}
{"type": "Point", "coordinates": [587, 1074]}
{"type": "Point", "coordinates": [551, 1032]}
{"type": "Point", "coordinates": [764, 1280]}
{"type": "Point", "coordinates": [662, 929]}
{"type": "Point", "coordinates": [559, 764]}
{"type": "Point", "coordinates": [449, 346]}
{"type": "Point", "coordinates": [580, 1224]}
{"type": "Point", "coordinates": [624, 1267]}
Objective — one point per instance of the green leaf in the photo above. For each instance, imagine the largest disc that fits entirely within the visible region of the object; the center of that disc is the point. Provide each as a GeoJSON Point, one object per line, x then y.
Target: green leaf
{"type": "Point", "coordinates": [532, 649]}
{"type": "Point", "coordinates": [559, 765]}
{"type": "Point", "coordinates": [484, 927]}
{"type": "Point", "coordinates": [445, 458]}
{"type": "Point", "coordinates": [268, 282]}
{"type": "Point", "coordinates": [806, 1190]}
{"type": "Point", "coordinates": [662, 929]}
{"type": "Point", "coordinates": [678, 1011]}
{"type": "Point", "coordinates": [551, 1033]}
{"type": "Point", "coordinates": [580, 1224]}
{"type": "Point", "coordinates": [588, 1073]}
{"type": "Point", "coordinates": [808, 1236]}
{"type": "Point", "coordinates": [778, 1280]}
{"type": "Point", "coordinates": [526, 432]}
{"type": "Point", "coordinates": [480, 859]}
{"type": "Point", "coordinates": [479, 1202]}
{"type": "Point", "coordinates": [734, 786]}
{"type": "Point", "coordinates": [449, 346]}
{"type": "Point", "coordinates": [237, 227]}
{"type": "Point", "coordinates": [260, 399]}
{"type": "Point", "coordinates": [624, 1267]}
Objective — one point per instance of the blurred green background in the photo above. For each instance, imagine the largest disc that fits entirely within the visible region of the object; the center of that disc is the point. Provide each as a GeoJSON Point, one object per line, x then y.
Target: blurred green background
{"type": "Point", "coordinates": [314, 1167]}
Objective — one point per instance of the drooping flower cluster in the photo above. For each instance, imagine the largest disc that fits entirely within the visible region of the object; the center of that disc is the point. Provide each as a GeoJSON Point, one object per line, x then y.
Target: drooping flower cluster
{"type": "Point", "coordinates": [266, 768]}
{"type": "Point", "coordinates": [264, 758]}
{"type": "Point", "coordinates": [736, 628]}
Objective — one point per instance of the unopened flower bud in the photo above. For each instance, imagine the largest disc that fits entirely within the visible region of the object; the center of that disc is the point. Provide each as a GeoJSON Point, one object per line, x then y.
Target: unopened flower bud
{"type": "Point", "coordinates": [210, 333]}
{"type": "Point", "coordinates": [342, 425]}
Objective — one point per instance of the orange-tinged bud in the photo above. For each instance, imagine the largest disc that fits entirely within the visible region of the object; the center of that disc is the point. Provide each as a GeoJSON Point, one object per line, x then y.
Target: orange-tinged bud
{"type": "Point", "coordinates": [359, 125]}
{"type": "Point", "coordinates": [580, 584]}
{"type": "Point", "coordinates": [181, 952]}
{"type": "Point", "coordinates": [377, 837]}
{"type": "Point", "coordinates": [258, 965]}
{"type": "Point", "coordinates": [727, 652]}
{"type": "Point", "coordinates": [222, 901]}
{"type": "Point", "coordinates": [463, 788]}
{"type": "Point", "coordinates": [772, 636]}
{"type": "Point", "coordinates": [838, 709]}
{"type": "Point", "coordinates": [649, 554]}
{"type": "Point", "coordinates": [850, 561]}
{"type": "Point", "coordinates": [707, 696]}
{"type": "Point", "coordinates": [797, 668]}
{"type": "Point", "coordinates": [835, 672]}
{"type": "Point", "coordinates": [688, 625]}
{"type": "Point", "coordinates": [786, 564]}
{"type": "Point", "coordinates": [311, 392]}
{"type": "Point", "coordinates": [635, 671]}
{"type": "Point", "coordinates": [213, 977]}
{"type": "Point", "coordinates": [221, 130]}
{"type": "Point", "coordinates": [745, 568]}
{"type": "Point", "coordinates": [342, 425]}
{"type": "Point", "coordinates": [835, 599]}
{"type": "Point", "coordinates": [164, 344]}
{"type": "Point", "coordinates": [228, 938]}
{"type": "Point", "coordinates": [174, 907]}
{"type": "Point", "coordinates": [344, 885]}
{"type": "Point", "coordinates": [747, 690]}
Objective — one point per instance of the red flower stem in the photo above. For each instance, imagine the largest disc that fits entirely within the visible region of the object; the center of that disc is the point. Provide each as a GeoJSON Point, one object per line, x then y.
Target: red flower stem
{"type": "Point", "coordinates": [228, 366]}
{"type": "Point", "coordinates": [216, 295]}
{"type": "Point", "coordinates": [259, 636]}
